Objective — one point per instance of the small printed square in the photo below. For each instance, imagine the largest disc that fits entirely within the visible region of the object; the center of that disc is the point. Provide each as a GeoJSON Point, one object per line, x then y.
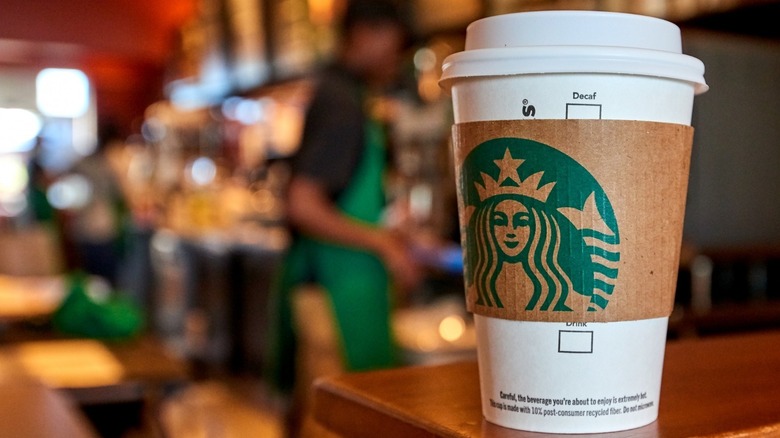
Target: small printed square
{"type": "Point", "coordinates": [574, 341]}
{"type": "Point", "coordinates": [583, 111]}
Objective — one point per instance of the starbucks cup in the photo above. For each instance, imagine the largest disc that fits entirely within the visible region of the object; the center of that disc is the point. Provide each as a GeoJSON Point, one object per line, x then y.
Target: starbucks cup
{"type": "Point", "coordinates": [572, 143]}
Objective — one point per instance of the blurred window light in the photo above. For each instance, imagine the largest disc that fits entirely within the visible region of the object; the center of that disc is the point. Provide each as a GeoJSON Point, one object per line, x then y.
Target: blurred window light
{"type": "Point", "coordinates": [18, 129]}
{"type": "Point", "coordinates": [62, 92]}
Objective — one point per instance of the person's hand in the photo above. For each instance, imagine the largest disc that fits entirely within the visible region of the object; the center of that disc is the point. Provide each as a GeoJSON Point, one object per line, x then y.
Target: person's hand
{"type": "Point", "coordinates": [405, 272]}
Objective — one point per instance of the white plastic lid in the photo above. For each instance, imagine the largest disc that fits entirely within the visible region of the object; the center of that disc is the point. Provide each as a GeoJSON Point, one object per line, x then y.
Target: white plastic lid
{"type": "Point", "coordinates": [573, 42]}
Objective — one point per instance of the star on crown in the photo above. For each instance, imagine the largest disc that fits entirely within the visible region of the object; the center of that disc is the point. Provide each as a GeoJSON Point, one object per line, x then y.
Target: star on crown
{"type": "Point", "coordinates": [509, 181]}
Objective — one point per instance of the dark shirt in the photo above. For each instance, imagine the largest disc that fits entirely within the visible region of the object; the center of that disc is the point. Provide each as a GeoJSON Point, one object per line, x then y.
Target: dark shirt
{"type": "Point", "coordinates": [333, 135]}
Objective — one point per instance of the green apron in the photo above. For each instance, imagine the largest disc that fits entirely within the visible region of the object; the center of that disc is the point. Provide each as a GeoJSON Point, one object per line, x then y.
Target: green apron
{"type": "Point", "coordinates": [356, 281]}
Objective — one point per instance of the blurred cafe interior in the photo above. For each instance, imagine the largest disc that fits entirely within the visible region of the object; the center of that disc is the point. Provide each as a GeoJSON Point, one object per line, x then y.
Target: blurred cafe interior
{"type": "Point", "coordinates": [145, 151]}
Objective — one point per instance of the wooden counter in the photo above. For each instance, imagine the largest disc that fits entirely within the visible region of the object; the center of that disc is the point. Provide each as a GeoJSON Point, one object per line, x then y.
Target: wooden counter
{"type": "Point", "coordinates": [93, 372]}
{"type": "Point", "coordinates": [716, 387]}
{"type": "Point", "coordinates": [106, 389]}
{"type": "Point", "coordinates": [29, 409]}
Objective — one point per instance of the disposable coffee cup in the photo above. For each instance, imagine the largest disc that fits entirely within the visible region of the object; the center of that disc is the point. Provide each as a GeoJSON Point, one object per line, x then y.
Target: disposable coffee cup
{"type": "Point", "coordinates": [572, 144]}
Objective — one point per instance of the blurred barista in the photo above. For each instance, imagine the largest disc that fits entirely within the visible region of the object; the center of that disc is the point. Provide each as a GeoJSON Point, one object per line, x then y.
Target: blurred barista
{"type": "Point", "coordinates": [336, 200]}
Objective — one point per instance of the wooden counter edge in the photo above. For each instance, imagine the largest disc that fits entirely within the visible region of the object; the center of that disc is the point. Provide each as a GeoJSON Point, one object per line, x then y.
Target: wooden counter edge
{"type": "Point", "coordinates": [349, 404]}
{"type": "Point", "coordinates": [768, 431]}
{"type": "Point", "coordinates": [337, 402]}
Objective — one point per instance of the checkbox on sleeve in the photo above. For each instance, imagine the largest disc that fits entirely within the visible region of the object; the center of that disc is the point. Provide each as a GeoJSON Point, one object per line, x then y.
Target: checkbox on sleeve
{"type": "Point", "coordinates": [575, 341]}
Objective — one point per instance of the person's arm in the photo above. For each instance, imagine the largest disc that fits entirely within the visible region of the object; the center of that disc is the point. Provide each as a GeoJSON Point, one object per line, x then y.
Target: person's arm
{"type": "Point", "coordinates": [312, 212]}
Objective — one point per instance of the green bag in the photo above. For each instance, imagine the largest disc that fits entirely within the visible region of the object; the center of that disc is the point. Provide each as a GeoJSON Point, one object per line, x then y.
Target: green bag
{"type": "Point", "coordinates": [114, 318]}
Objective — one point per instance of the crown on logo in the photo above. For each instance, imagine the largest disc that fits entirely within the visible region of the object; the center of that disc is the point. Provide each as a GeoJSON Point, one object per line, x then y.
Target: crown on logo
{"type": "Point", "coordinates": [509, 181]}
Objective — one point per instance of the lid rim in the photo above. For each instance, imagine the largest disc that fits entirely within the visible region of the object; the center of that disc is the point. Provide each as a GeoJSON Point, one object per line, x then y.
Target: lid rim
{"type": "Point", "coordinates": [573, 59]}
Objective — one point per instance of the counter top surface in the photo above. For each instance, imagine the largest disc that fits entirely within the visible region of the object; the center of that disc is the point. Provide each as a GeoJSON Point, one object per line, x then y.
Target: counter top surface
{"type": "Point", "coordinates": [30, 409]}
{"type": "Point", "coordinates": [725, 386]}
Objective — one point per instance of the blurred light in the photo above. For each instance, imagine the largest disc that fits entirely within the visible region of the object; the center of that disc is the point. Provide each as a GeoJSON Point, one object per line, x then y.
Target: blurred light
{"type": "Point", "coordinates": [140, 169]}
{"type": "Point", "coordinates": [13, 207]}
{"type": "Point", "coordinates": [421, 201]}
{"type": "Point", "coordinates": [214, 82]}
{"type": "Point", "coordinates": [18, 129]}
{"type": "Point", "coordinates": [203, 171]}
{"type": "Point", "coordinates": [56, 153]}
{"type": "Point", "coordinates": [186, 95]}
{"type": "Point", "coordinates": [13, 177]}
{"type": "Point", "coordinates": [249, 111]}
{"type": "Point", "coordinates": [70, 192]}
{"type": "Point", "coordinates": [83, 138]}
{"type": "Point", "coordinates": [322, 12]}
{"type": "Point", "coordinates": [424, 59]}
{"type": "Point", "coordinates": [165, 242]}
{"type": "Point", "coordinates": [452, 328]}
{"type": "Point", "coordinates": [153, 130]}
{"type": "Point", "coordinates": [426, 340]}
{"type": "Point", "coordinates": [62, 92]}
{"type": "Point", "coordinates": [229, 107]}
{"type": "Point", "coordinates": [246, 111]}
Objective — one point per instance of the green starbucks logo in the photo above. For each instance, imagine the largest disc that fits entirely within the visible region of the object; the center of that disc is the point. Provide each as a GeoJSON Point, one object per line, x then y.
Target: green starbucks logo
{"type": "Point", "coordinates": [539, 226]}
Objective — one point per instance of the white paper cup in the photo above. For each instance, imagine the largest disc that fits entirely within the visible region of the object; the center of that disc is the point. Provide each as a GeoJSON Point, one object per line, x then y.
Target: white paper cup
{"type": "Point", "coordinates": [574, 370]}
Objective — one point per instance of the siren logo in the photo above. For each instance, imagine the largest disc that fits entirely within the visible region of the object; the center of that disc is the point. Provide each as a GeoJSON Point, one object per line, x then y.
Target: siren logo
{"type": "Point", "coordinates": [539, 228]}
